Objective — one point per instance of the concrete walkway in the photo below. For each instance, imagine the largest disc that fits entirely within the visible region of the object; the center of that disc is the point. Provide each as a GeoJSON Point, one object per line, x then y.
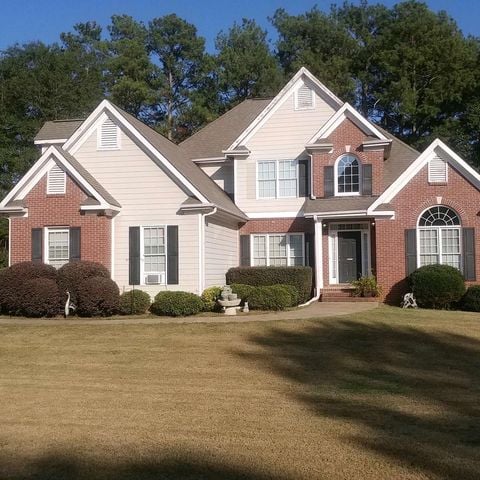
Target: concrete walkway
{"type": "Point", "coordinates": [315, 310]}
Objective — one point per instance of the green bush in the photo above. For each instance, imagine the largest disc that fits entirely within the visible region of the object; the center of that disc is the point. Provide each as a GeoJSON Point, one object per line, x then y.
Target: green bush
{"type": "Point", "coordinates": [209, 297]}
{"type": "Point", "coordinates": [242, 291]}
{"type": "Point", "coordinates": [299, 277]}
{"type": "Point", "coordinates": [292, 292]}
{"type": "Point", "coordinates": [437, 286]}
{"type": "Point", "coordinates": [97, 297]}
{"type": "Point", "coordinates": [470, 302]}
{"type": "Point", "coordinates": [176, 304]}
{"type": "Point", "coordinates": [73, 274]}
{"type": "Point", "coordinates": [366, 287]}
{"type": "Point", "coordinates": [271, 297]}
{"type": "Point", "coordinates": [39, 297]}
{"type": "Point", "coordinates": [134, 302]}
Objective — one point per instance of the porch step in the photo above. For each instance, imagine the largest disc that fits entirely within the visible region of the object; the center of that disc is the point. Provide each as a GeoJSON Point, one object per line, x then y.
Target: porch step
{"type": "Point", "coordinates": [343, 294]}
{"type": "Point", "coordinates": [348, 299]}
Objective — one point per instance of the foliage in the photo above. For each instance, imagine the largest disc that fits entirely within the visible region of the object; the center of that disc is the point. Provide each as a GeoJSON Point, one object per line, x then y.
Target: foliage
{"type": "Point", "coordinates": [271, 297]}
{"type": "Point", "coordinates": [97, 297]}
{"type": "Point", "coordinates": [72, 274]}
{"type": "Point", "coordinates": [243, 291]}
{"type": "Point", "coordinates": [299, 277]}
{"type": "Point", "coordinates": [437, 286]}
{"type": "Point", "coordinates": [176, 304]}
{"type": "Point", "coordinates": [39, 297]}
{"type": "Point", "coordinates": [470, 302]}
{"type": "Point", "coordinates": [292, 292]}
{"type": "Point", "coordinates": [366, 286]}
{"type": "Point", "coordinates": [134, 302]}
{"type": "Point", "coordinates": [209, 297]}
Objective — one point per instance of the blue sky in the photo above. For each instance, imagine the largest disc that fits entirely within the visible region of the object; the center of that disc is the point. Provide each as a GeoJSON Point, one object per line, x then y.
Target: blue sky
{"type": "Point", "coordinates": [22, 21]}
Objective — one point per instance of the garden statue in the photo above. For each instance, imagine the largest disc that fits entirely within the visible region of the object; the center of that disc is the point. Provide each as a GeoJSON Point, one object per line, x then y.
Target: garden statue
{"type": "Point", "coordinates": [229, 301]}
{"type": "Point", "coordinates": [409, 301]}
{"type": "Point", "coordinates": [68, 305]}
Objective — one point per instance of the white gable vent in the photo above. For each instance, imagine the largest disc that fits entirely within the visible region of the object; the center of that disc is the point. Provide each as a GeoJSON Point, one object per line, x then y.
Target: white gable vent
{"type": "Point", "coordinates": [108, 137]}
{"type": "Point", "coordinates": [305, 98]}
{"type": "Point", "coordinates": [437, 170]}
{"type": "Point", "coordinates": [56, 181]}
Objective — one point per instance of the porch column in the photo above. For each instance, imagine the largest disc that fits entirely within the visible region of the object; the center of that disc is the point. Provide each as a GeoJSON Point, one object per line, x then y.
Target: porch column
{"type": "Point", "coordinates": [318, 255]}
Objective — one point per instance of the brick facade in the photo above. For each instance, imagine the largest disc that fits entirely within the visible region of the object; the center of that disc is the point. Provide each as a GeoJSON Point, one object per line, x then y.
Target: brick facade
{"type": "Point", "coordinates": [348, 138]}
{"type": "Point", "coordinates": [278, 225]}
{"type": "Point", "coordinates": [60, 211]}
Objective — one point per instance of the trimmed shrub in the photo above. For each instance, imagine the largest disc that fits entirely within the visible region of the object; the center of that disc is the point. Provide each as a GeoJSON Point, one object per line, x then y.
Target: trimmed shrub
{"type": "Point", "coordinates": [176, 304]}
{"type": "Point", "coordinates": [13, 278]}
{"type": "Point", "coordinates": [299, 277]}
{"type": "Point", "coordinates": [242, 291]}
{"type": "Point", "coordinates": [97, 297]}
{"type": "Point", "coordinates": [272, 297]}
{"type": "Point", "coordinates": [292, 292]}
{"type": "Point", "coordinates": [72, 274]}
{"type": "Point", "coordinates": [134, 302]}
{"type": "Point", "coordinates": [437, 286]}
{"type": "Point", "coordinates": [209, 297]}
{"type": "Point", "coordinates": [470, 302]}
{"type": "Point", "coordinates": [39, 297]}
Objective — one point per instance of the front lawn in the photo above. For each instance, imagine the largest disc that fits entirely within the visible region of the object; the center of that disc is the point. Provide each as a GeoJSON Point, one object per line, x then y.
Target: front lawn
{"type": "Point", "coordinates": [387, 394]}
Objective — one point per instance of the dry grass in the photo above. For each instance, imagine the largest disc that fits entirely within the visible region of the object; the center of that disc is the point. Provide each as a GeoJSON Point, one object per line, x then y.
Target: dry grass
{"type": "Point", "coordinates": [386, 394]}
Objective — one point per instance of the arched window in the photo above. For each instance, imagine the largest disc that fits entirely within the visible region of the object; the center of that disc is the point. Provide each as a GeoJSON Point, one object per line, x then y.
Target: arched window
{"type": "Point", "coordinates": [439, 237]}
{"type": "Point", "coordinates": [347, 175]}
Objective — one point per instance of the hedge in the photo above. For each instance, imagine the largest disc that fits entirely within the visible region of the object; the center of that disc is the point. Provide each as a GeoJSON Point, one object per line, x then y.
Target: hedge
{"type": "Point", "coordinates": [134, 302]}
{"type": "Point", "coordinates": [242, 291]}
{"type": "Point", "coordinates": [40, 297]}
{"type": "Point", "coordinates": [97, 297]}
{"type": "Point", "coordinates": [209, 298]}
{"type": "Point", "coordinates": [299, 277]}
{"type": "Point", "coordinates": [176, 304]}
{"type": "Point", "coordinates": [271, 297]}
{"type": "Point", "coordinates": [470, 302]}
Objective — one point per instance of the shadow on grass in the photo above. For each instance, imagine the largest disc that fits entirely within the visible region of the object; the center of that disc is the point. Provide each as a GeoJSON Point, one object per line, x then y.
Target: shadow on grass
{"type": "Point", "coordinates": [61, 466]}
{"type": "Point", "coordinates": [411, 396]}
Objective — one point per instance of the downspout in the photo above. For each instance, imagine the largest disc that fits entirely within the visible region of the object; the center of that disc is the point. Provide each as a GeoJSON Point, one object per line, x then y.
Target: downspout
{"type": "Point", "coordinates": [112, 251]}
{"type": "Point", "coordinates": [201, 249]}
{"type": "Point", "coordinates": [318, 262]}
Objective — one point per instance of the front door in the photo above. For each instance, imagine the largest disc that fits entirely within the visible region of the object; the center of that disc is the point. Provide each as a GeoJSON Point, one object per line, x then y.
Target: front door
{"type": "Point", "coordinates": [349, 256]}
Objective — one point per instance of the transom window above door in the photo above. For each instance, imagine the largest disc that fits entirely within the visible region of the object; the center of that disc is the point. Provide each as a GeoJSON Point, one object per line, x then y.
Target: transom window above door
{"type": "Point", "coordinates": [347, 176]}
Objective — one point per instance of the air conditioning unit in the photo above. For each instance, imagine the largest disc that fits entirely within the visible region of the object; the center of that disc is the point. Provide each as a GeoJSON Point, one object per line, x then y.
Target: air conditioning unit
{"type": "Point", "coordinates": [154, 278]}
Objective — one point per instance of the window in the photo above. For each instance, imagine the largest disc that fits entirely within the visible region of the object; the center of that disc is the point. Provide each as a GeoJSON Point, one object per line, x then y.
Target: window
{"type": "Point", "coordinates": [304, 98]}
{"type": "Point", "coordinates": [56, 180]}
{"type": "Point", "coordinates": [437, 170]}
{"type": "Point", "coordinates": [58, 246]}
{"type": "Point", "coordinates": [439, 237]}
{"type": "Point", "coordinates": [348, 176]}
{"type": "Point", "coordinates": [154, 255]}
{"type": "Point", "coordinates": [278, 250]}
{"type": "Point", "coordinates": [108, 136]}
{"type": "Point", "coordinates": [277, 179]}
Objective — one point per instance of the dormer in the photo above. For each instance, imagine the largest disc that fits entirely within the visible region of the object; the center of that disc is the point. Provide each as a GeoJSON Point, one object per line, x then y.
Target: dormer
{"type": "Point", "coordinates": [56, 132]}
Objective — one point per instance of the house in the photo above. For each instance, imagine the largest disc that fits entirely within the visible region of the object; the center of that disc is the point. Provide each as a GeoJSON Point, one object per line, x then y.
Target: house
{"type": "Point", "coordinates": [300, 179]}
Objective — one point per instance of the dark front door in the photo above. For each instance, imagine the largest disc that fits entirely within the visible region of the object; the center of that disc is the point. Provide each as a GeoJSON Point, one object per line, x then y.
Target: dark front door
{"type": "Point", "coordinates": [349, 256]}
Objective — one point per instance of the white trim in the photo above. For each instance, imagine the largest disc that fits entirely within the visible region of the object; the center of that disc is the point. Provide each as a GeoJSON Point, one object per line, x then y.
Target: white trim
{"type": "Point", "coordinates": [200, 250]}
{"type": "Point", "coordinates": [142, 254]}
{"type": "Point", "coordinates": [267, 246]}
{"type": "Point", "coordinates": [9, 241]}
{"type": "Point", "coordinates": [274, 215]}
{"type": "Point", "coordinates": [46, 231]}
{"type": "Point", "coordinates": [235, 179]}
{"type": "Point", "coordinates": [48, 142]}
{"type": "Point", "coordinates": [92, 122]}
{"type": "Point", "coordinates": [347, 111]}
{"type": "Point", "coordinates": [209, 160]}
{"type": "Point", "coordinates": [433, 149]}
{"type": "Point", "coordinates": [112, 248]}
{"type": "Point", "coordinates": [318, 255]}
{"type": "Point", "coordinates": [282, 96]}
{"type": "Point", "coordinates": [277, 178]}
{"type": "Point", "coordinates": [335, 177]}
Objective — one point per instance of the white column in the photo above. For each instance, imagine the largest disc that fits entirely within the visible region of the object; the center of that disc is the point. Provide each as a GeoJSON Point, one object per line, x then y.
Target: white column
{"type": "Point", "coordinates": [318, 255]}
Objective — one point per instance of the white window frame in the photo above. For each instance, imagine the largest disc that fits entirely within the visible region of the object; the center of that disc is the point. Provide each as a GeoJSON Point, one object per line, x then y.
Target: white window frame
{"type": "Point", "coordinates": [277, 179]}
{"type": "Point", "coordinates": [142, 256]}
{"type": "Point", "coordinates": [335, 177]}
{"type": "Point", "coordinates": [46, 251]}
{"type": "Point", "coordinates": [99, 138]}
{"type": "Point", "coordinates": [267, 246]}
{"type": "Point", "coordinates": [312, 107]}
{"type": "Point", "coordinates": [439, 229]}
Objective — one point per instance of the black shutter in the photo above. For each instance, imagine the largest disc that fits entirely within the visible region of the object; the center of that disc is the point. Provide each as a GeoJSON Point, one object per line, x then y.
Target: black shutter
{"type": "Point", "coordinates": [469, 254]}
{"type": "Point", "coordinates": [172, 254]}
{"type": "Point", "coordinates": [366, 179]}
{"type": "Point", "coordinates": [410, 251]}
{"type": "Point", "coordinates": [75, 244]}
{"type": "Point", "coordinates": [303, 178]}
{"type": "Point", "coordinates": [37, 245]}
{"type": "Point", "coordinates": [328, 182]}
{"type": "Point", "coordinates": [134, 256]}
{"type": "Point", "coordinates": [244, 250]}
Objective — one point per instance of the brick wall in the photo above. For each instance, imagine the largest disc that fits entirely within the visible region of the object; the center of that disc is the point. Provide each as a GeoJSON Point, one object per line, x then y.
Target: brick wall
{"type": "Point", "coordinates": [417, 196]}
{"type": "Point", "coordinates": [278, 225]}
{"type": "Point", "coordinates": [348, 134]}
{"type": "Point", "coordinates": [62, 211]}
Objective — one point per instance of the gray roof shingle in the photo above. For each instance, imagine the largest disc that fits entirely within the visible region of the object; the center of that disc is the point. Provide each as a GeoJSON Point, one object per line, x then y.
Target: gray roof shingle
{"type": "Point", "coordinates": [337, 204]}
{"type": "Point", "coordinates": [58, 130]}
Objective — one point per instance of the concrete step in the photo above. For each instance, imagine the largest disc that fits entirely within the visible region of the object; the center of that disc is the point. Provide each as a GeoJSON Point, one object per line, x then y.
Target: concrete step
{"type": "Point", "coordinates": [337, 298]}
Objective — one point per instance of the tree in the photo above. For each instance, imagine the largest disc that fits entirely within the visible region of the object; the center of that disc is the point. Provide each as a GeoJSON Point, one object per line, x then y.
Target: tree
{"type": "Point", "coordinates": [246, 66]}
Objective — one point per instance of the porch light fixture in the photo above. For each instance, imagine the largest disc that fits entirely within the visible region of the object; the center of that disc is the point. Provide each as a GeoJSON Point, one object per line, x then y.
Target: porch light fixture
{"type": "Point", "coordinates": [373, 224]}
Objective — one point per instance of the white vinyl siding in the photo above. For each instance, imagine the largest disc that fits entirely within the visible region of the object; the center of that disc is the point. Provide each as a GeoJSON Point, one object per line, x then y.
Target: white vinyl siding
{"type": "Point", "coordinates": [57, 246]}
{"type": "Point", "coordinates": [108, 136]}
{"type": "Point", "coordinates": [278, 250]}
{"type": "Point", "coordinates": [56, 181]}
{"type": "Point", "coordinates": [304, 98]}
{"type": "Point", "coordinates": [437, 170]}
{"type": "Point", "coordinates": [277, 179]}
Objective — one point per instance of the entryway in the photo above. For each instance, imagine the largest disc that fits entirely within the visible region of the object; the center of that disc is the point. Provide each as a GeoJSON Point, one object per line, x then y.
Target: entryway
{"type": "Point", "coordinates": [349, 256]}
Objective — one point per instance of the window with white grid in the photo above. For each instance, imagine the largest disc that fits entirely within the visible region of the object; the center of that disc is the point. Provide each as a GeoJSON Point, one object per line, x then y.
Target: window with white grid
{"type": "Point", "coordinates": [277, 178]}
{"type": "Point", "coordinates": [278, 250]}
{"type": "Point", "coordinates": [260, 250]}
{"type": "Point", "coordinates": [267, 179]}
{"type": "Point", "coordinates": [348, 175]}
{"type": "Point", "coordinates": [154, 250]}
{"type": "Point", "coordinates": [277, 253]}
{"type": "Point", "coordinates": [287, 178]}
{"type": "Point", "coordinates": [58, 246]}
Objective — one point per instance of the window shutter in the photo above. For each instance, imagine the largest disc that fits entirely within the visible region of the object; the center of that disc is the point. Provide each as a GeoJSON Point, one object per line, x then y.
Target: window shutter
{"type": "Point", "coordinates": [469, 253]}
{"type": "Point", "coordinates": [304, 97]}
{"type": "Point", "coordinates": [410, 250]}
{"type": "Point", "coordinates": [74, 244]}
{"type": "Point", "coordinates": [37, 245]}
{"type": "Point", "coordinates": [367, 179]}
{"type": "Point", "coordinates": [56, 181]}
{"type": "Point", "coordinates": [437, 170]}
{"type": "Point", "coordinates": [328, 183]}
{"type": "Point", "coordinates": [245, 250]}
{"type": "Point", "coordinates": [172, 254]}
{"type": "Point", "coordinates": [303, 178]}
{"type": "Point", "coordinates": [108, 136]}
{"type": "Point", "coordinates": [134, 256]}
